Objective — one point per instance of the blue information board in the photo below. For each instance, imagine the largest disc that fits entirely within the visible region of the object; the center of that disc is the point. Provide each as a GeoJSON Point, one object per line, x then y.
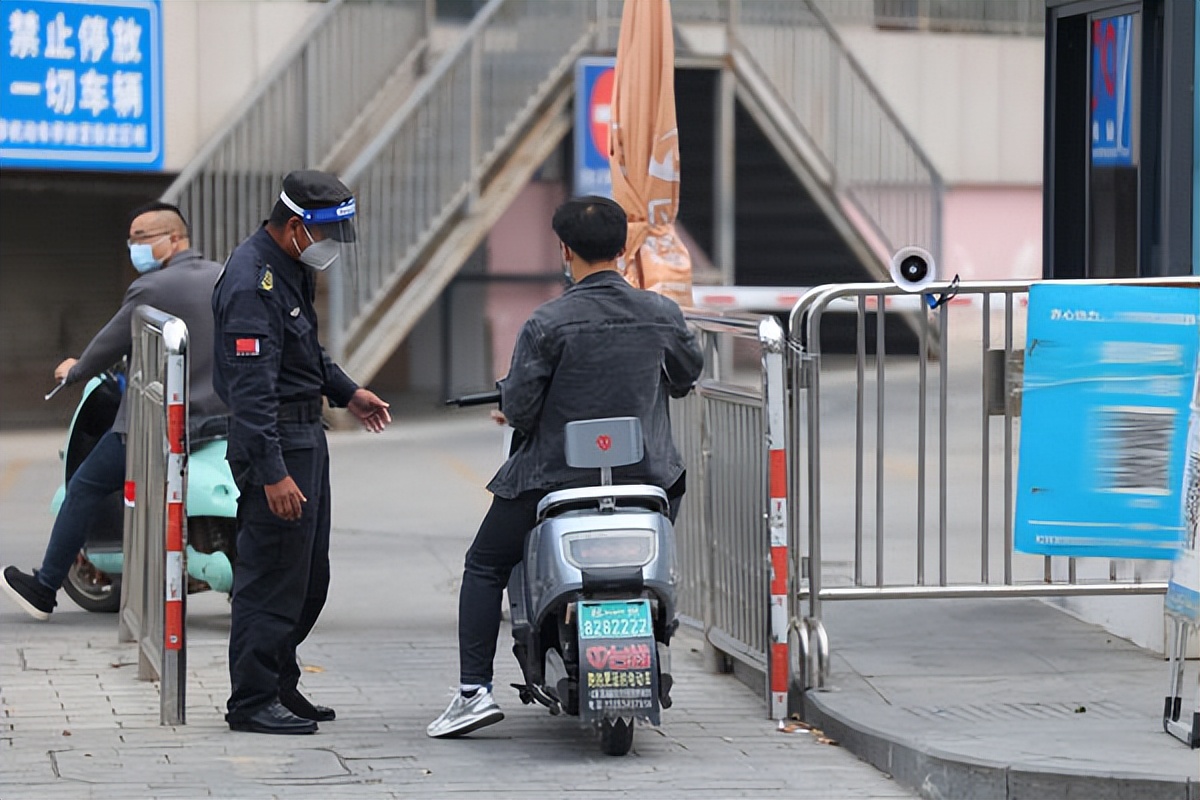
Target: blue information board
{"type": "Point", "coordinates": [1112, 91]}
{"type": "Point", "coordinates": [81, 84]}
{"type": "Point", "coordinates": [593, 113]}
{"type": "Point", "coordinates": [1108, 383]}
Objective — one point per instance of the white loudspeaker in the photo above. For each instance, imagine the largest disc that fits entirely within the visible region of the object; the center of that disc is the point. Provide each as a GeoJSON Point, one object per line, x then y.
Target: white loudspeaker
{"type": "Point", "coordinates": [913, 269]}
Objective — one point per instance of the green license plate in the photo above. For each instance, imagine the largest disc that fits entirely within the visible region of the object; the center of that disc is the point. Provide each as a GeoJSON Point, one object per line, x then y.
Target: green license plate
{"type": "Point", "coordinates": [615, 619]}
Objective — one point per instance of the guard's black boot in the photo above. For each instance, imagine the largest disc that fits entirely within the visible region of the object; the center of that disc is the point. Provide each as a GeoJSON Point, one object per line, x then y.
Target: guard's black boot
{"type": "Point", "coordinates": [300, 705]}
{"type": "Point", "coordinates": [272, 718]}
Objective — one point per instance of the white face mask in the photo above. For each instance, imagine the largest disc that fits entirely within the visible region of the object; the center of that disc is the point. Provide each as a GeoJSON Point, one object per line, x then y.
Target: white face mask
{"type": "Point", "coordinates": [318, 255]}
{"type": "Point", "coordinates": [567, 276]}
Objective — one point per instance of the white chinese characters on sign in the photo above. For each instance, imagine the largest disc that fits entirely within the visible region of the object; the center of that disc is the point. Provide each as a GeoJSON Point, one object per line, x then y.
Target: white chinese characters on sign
{"type": "Point", "coordinates": [93, 92]}
{"type": "Point", "coordinates": [93, 39]}
{"type": "Point", "coordinates": [127, 94]}
{"type": "Point", "coordinates": [60, 90]}
{"type": "Point", "coordinates": [126, 41]}
{"type": "Point", "coordinates": [25, 40]}
{"type": "Point", "coordinates": [57, 33]}
{"type": "Point", "coordinates": [84, 68]}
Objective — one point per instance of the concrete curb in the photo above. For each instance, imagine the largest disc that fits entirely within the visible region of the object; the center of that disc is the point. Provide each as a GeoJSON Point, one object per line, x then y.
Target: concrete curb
{"type": "Point", "coordinates": [940, 775]}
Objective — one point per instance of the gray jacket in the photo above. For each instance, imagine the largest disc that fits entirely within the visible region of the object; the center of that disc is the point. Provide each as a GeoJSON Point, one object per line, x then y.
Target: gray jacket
{"type": "Point", "coordinates": [603, 349]}
{"type": "Point", "coordinates": [183, 288]}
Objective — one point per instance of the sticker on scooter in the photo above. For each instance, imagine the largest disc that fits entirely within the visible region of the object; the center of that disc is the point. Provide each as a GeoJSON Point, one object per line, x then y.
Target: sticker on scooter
{"type": "Point", "coordinates": [619, 674]}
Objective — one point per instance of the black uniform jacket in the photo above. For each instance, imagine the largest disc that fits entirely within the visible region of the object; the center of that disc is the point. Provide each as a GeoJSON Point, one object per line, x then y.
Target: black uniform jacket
{"type": "Point", "coordinates": [267, 353]}
{"type": "Point", "coordinates": [603, 349]}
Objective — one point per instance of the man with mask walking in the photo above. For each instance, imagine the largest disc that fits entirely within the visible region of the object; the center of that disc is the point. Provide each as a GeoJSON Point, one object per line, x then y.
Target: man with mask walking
{"type": "Point", "coordinates": [271, 370]}
{"type": "Point", "coordinates": [175, 279]}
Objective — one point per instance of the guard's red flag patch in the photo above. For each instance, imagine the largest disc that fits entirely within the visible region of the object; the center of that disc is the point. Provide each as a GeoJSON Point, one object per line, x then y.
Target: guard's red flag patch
{"type": "Point", "coordinates": [246, 347]}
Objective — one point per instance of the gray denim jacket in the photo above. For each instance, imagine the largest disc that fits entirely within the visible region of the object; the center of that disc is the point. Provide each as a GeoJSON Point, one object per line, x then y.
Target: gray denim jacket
{"type": "Point", "coordinates": [602, 349]}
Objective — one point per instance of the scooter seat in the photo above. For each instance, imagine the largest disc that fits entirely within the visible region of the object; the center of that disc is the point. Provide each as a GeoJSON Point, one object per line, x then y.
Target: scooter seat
{"type": "Point", "coordinates": [651, 498]}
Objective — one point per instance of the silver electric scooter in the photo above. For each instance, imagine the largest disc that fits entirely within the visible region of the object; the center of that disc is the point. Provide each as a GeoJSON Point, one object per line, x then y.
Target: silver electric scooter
{"type": "Point", "coordinates": [593, 602]}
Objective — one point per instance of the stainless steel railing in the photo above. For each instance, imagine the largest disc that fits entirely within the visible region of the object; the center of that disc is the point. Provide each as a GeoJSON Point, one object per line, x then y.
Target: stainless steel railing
{"type": "Point", "coordinates": [153, 577]}
{"type": "Point", "coordinates": [903, 474]}
{"type": "Point", "coordinates": [1017, 17]}
{"type": "Point", "coordinates": [430, 160]}
{"type": "Point", "coordinates": [296, 116]}
{"type": "Point", "coordinates": [725, 543]}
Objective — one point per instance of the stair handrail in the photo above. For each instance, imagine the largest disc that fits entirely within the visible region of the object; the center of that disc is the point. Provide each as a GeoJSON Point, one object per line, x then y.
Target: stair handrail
{"type": "Point", "coordinates": [294, 116]}
{"type": "Point", "coordinates": [894, 212]}
{"type": "Point", "coordinates": [431, 159]}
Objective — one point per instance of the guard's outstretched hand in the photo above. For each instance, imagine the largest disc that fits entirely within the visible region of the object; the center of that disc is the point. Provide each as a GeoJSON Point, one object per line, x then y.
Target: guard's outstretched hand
{"type": "Point", "coordinates": [370, 410]}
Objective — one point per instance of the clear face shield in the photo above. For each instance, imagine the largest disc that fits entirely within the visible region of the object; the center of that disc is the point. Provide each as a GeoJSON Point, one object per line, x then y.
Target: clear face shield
{"type": "Point", "coordinates": [329, 235]}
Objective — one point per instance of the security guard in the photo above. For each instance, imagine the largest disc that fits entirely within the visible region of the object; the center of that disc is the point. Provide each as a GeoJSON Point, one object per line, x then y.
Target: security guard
{"type": "Point", "coordinates": [272, 372]}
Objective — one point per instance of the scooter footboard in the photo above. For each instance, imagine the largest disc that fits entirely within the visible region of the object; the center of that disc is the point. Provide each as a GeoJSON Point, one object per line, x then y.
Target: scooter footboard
{"type": "Point", "coordinates": [618, 661]}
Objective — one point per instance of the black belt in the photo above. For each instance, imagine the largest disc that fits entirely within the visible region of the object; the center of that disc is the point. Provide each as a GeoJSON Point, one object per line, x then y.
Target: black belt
{"type": "Point", "coordinates": [308, 410]}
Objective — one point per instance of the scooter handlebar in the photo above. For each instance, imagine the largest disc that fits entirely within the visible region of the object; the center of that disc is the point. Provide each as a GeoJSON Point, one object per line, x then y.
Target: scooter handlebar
{"type": "Point", "coordinates": [480, 399]}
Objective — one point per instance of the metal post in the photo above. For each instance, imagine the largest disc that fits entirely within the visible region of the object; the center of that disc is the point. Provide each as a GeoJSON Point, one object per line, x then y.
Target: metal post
{"type": "Point", "coordinates": [476, 71]}
{"type": "Point", "coordinates": [724, 225]}
{"type": "Point", "coordinates": [772, 343]}
{"type": "Point", "coordinates": [172, 689]}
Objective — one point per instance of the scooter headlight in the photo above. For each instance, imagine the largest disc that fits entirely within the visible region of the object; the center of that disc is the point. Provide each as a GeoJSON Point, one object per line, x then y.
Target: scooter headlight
{"type": "Point", "coordinates": [614, 548]}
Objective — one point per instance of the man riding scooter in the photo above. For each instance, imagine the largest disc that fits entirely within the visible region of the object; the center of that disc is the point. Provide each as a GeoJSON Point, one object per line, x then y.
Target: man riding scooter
{"type": "Point", "coordinates": [602, 349]}
{"type": "Point", "coordinates": [179, 281]}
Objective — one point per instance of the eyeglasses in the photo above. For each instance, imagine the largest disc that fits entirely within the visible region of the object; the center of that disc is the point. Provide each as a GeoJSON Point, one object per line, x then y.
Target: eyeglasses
{"type": "Point", "coordinates": [146, 237]}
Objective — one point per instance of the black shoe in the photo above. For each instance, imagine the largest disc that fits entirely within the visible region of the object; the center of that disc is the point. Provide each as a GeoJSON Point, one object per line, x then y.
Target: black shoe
{"type": "Point", "coordinates": [299, 705]}
{"type": "Point", "coordinates": [273, 718]}
{"type": "Point", "coordinates": [34, 599]}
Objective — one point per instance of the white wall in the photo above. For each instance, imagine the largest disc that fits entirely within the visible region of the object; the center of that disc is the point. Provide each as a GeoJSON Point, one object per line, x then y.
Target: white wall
{"type": "Point", "coordinates": [974, 102]}
{"type": "Point", "coordinates": [214, 52]}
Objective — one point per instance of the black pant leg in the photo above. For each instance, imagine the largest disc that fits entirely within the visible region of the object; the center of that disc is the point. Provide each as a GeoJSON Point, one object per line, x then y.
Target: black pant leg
{"type": "Point", "coordinates": [498, 547]}
{"type": "Point", "coordinates": [274, 561]}
{"type": "Point", "coordinates": [318, 574]}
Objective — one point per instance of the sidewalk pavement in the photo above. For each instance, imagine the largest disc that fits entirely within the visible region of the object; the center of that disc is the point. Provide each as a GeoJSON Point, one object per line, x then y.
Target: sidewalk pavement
{"type": "Point", "coordinates": [1006, 698]}
{"type": "Point", "coordinates": [78, 724]}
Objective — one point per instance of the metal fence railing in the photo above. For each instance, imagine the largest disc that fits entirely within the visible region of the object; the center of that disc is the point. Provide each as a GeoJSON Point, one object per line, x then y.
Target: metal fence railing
{"type": "Point", "coordinates": [1016, 17]}
{"type": "Point", "coordinates": [904, 465]}
{"type": "Point", "coordinates": [732, 546]}
{"type": "Point", "coordinates": [429, 161]}
{"type": "Point", "coordinates": [154, 589]}
{"type": "Point", "coordinates": [296, 116]}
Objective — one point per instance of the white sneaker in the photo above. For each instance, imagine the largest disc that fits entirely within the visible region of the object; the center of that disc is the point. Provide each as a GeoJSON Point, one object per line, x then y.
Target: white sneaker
{"type": "Point", "coordinates": [466, 714]}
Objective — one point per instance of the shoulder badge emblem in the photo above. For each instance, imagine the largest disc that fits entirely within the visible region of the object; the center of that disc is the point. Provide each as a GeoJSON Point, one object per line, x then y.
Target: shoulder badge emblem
{"type": "Point", "coordinates": [268, 281]}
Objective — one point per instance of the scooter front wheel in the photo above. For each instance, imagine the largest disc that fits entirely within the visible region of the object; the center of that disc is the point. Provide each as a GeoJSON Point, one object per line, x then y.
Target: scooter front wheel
{"type": "Point", "coordinates": [616, 736]}
{"type": "Point", "coordinates": [93, 590]}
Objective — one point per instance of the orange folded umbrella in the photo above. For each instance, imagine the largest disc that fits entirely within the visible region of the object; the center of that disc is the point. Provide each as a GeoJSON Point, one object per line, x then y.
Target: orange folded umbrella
{"type": "Point", "coordinates": [643, 150]}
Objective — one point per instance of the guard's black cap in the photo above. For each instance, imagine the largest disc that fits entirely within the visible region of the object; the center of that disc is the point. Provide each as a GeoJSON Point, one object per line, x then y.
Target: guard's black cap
{"type": "Point", "coordinates": [320, 199]}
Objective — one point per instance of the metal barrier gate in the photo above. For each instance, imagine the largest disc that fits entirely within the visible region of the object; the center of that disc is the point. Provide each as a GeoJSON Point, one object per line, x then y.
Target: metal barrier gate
{"type": "Point", "coordinates": [732, 528]}
{"type": "Point", "coordinates": [933, 521]}
{"type": "Point", "coordinates": [153, 592]}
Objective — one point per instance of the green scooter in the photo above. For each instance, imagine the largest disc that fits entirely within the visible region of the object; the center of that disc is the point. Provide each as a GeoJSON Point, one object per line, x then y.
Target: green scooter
{"type": "Point", "coordinates": [94, 581]}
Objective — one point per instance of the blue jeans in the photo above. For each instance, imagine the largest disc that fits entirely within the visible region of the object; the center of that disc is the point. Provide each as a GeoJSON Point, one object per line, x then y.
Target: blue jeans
{"type": "Point", "coordinates": [100, 474]}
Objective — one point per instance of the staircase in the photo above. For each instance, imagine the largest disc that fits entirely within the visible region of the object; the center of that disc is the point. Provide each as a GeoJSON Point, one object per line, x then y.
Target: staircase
{"type": "Point", "coordinates": [828, 180]}
{"type": "Point", "coordinates": [449, 162]}
{"type": "Point", "coordinates": [322, 99]}
{"type": "Point", "coordinates": [824, 164]}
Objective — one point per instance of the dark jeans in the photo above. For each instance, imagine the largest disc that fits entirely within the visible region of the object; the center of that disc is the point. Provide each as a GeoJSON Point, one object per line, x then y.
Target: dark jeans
{"type": "Point", "coordinates": [498, 547]}
{"type": "Point", "coordinates": [97, 477]}
{"type": "Point", "coordinates": [281, 578]}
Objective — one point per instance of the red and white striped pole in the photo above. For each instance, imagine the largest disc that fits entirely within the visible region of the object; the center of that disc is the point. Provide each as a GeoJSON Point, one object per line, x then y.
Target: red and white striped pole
{"type": "Point", "coordinates": [175, 391]}
{"type": "Point", "coordinates": [772, 341]}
